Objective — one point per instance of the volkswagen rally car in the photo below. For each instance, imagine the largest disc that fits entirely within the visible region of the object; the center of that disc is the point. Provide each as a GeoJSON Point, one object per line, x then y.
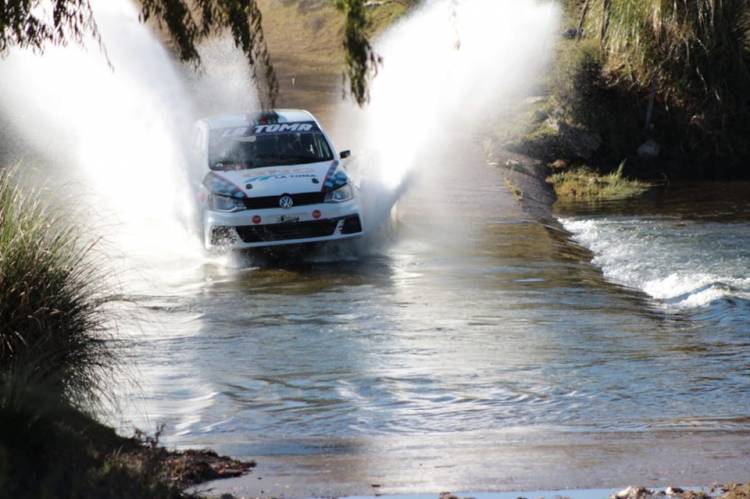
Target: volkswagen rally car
{"type": "Point", "coordinates": [273, 179]}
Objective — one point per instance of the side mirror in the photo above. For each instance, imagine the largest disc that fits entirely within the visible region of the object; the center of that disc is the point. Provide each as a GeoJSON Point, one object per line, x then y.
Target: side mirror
{"type": "Point", "coordinates": [345, 154]}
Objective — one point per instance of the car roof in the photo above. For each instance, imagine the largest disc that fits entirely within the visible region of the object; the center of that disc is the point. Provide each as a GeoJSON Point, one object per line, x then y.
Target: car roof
{"type": "Point", "coordinates": [239, 120]}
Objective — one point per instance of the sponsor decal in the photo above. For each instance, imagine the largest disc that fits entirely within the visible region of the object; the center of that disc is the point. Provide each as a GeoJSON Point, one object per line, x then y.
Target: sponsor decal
{"type": "Point", "coordinates": [270, 172]}
{"type": "Point", "coordinates": [281, 173]}
{"type": "Point", "coordinates": [268, 129]}
{"type": "Point", "coordinates": [284, 127]}
{"type": "Point", "coordinates": [264, 178]}
{"type": "Point", "coordinates": [335, 179]}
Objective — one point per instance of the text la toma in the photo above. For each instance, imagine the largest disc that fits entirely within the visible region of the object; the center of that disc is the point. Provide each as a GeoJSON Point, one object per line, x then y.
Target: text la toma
{"type": "Point", "coordinates": [284, 127]}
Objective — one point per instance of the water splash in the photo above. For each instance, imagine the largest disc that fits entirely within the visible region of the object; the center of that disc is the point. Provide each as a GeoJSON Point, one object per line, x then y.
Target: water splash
{"type": "Point", "coordinates": [123, 134]}
{"type": "Point", "coordinates": [666, 259]}
{"type": "Point", "coordinates": [120, 134]}
{"type": "Point", "coordinates": [447, 66]}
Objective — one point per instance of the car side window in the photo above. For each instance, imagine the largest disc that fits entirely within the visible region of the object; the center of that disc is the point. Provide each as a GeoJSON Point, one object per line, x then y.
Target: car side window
{"type": "Point", "coordinates": [321, 147]}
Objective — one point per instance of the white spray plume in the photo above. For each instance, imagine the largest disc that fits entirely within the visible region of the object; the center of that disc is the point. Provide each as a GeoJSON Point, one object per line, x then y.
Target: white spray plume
{"type": "Point", "coordinates": [447, 67]}
{"type": "Point", "coordinates": [121, 131]}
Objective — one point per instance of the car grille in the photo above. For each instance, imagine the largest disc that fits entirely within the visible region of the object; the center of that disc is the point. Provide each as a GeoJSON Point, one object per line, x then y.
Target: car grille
{"type": "Point", "coordinates": [305, 198]}
{"type": "Point", "coordinates": [298, 230]}
{"type": "Point", "coordinates": [285, 231]}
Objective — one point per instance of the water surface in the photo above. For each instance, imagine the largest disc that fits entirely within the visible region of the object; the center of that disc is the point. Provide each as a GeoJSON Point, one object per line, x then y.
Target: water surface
{"type": "Point", "coordinates": [466, 318]}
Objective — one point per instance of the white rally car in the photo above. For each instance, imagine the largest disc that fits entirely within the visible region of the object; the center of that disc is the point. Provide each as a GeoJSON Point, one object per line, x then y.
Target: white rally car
{"type": "Point", "coordinates": [272, 179]}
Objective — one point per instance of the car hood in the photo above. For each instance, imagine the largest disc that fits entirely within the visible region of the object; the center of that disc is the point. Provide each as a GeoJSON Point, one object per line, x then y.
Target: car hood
{"type": "Point", "coordinates": [278, 180]}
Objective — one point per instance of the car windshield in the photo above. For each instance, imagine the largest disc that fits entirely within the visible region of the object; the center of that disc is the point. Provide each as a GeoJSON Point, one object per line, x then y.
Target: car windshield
{"type": "Point", "coordinates": [267, 145]}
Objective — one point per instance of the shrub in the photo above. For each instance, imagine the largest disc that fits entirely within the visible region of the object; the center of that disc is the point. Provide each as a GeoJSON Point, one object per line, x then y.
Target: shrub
{"type": "Point", "coordinates": [694, 55]}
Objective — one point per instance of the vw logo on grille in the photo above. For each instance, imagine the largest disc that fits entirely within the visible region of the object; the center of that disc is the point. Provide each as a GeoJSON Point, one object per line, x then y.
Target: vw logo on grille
{"type": "Point", "coordinates": [286, 201]}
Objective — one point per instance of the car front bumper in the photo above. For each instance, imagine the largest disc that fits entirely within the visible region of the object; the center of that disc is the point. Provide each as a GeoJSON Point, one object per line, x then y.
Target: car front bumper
{"type": "Point", "coordinates": [278, 226]}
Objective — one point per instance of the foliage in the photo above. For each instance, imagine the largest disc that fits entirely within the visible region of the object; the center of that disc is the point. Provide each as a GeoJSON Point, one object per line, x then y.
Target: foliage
{"type": "Point", "coordinates": [361, 60]}
{"type": "Point", "coordinates": [577, 80]}
{"type": "Point", "coordinates": [584, 183]}
{"type": "Point", "coordinates": [23, 23]}
{"type": "Point", "coordinates": [693, 55]}
{"type": "Point", "coordinates": [54, 364]}
{"type": "Point", "coordinates": [687, 46]}
{"type": "Point", "coordinates": [37, 23]}
{"type": "Point", "coordinates": [242, 18]}
{"type": "Point", "coordinates": [52, 359]}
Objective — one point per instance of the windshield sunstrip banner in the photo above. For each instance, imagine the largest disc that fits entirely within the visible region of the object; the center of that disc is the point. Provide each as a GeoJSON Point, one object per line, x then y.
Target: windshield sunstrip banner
{"type": "Point", "coordinates": [272, 129]}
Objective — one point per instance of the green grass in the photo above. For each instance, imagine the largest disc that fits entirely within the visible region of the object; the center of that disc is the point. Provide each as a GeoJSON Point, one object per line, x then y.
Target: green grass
{"type": "Point", "coordinates": [688, 48]}
{"type": "Point", "coordinates": [583, 183]}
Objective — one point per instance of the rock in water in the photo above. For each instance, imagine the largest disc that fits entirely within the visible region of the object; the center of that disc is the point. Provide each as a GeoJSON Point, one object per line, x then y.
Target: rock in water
{"type": "Point", "coordinates": [649, 150]}
{"type": "Point", "coordinates": [634, 492]}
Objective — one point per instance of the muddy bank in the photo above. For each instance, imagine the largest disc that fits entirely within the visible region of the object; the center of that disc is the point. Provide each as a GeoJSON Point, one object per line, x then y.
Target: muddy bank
{"type": "Point", "coordinates": [181, 469]}
{"type": "Point", "coordinates": [495, 462]}
{"type": "Point", "coordinates": [527, 181]}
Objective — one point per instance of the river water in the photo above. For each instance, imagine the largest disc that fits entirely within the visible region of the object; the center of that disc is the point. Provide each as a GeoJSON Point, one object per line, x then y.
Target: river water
{"type": "Point", "coordinates": [466, 316]}
{"type": "Point", "coordinates": [465, 324]}
{"type": "Point", "coordinates": [464, 344]}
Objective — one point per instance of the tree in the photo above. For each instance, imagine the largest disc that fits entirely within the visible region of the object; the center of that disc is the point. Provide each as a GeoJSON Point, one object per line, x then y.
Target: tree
{"type": "Point", "coordinates": [38, 23]}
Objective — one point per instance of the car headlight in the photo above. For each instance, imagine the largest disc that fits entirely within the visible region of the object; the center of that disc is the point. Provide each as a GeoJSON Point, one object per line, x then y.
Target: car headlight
{"type": "Point", "coordinates": [223, 195]}
{"type": "Point", "coordinates": [343, 193]}
{"type": "Point", "coordinates": [224, 203]}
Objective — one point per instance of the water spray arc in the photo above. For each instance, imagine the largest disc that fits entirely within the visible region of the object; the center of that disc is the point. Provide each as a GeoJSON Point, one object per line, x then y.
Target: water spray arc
{"type": "Point", "coordinates": [118, 126]}
{"type": "Point", "coordinates": [445, 68]}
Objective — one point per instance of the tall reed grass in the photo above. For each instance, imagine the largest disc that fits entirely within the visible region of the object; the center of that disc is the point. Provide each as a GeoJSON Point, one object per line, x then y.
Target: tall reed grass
{"type": "Point", "coordinates": [689, 48]}
{"type": "Point", "coordinates": [691, 56]}
{"type": "Point", "coordinates": [50, 302]}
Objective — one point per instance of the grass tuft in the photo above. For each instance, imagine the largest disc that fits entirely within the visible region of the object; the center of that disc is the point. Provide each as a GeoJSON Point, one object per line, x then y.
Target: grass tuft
{"type": "Point", "coordinates": [51, 294]}
{"type": "Point", "coordinates": [586, 184]}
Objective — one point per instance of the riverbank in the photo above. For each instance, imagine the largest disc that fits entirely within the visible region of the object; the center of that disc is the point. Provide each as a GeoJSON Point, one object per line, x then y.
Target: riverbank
{"type": "Point", "coordinates": [642, 95]}
{"type": "Point", "coordinates": [730, 491]}
{"type": "Point", "coordinates": [69, 454]}
{"type": "Point", "coordinates": [57, 367]}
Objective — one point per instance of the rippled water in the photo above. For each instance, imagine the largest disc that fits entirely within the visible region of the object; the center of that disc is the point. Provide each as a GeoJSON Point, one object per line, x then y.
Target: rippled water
{"type": "Point", "coordinates": [463, 321]}
{"type": "Point", "coordinates": [474, 319]}
{"type": "Point", "coordinates": [688, 248]}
